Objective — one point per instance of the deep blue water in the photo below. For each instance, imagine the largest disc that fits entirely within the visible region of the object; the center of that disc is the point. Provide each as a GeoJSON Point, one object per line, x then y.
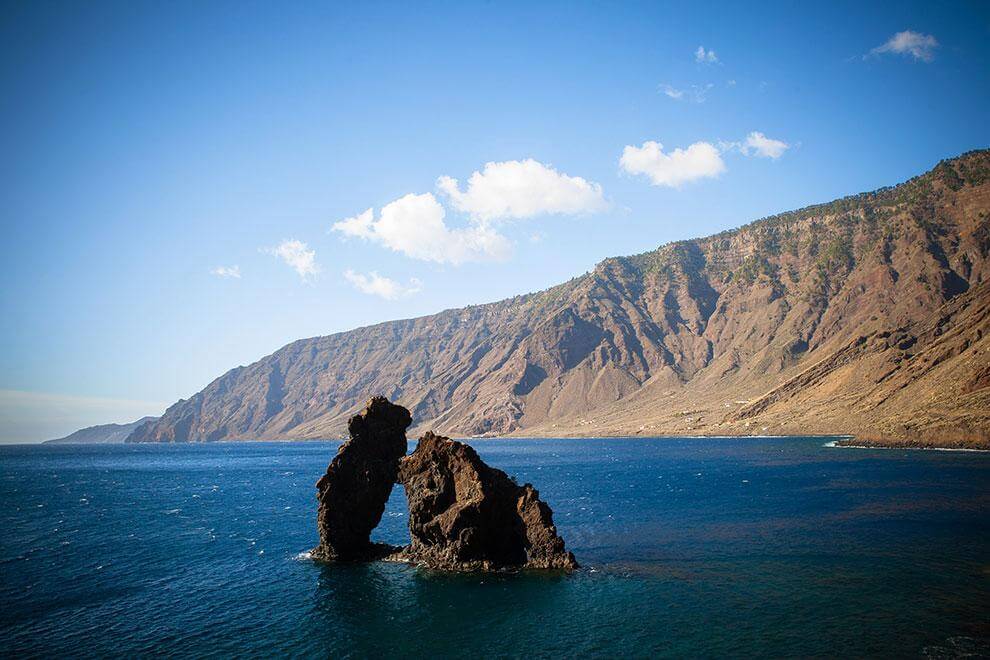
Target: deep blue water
{"type": "Point", "coordinates": [689, 547]}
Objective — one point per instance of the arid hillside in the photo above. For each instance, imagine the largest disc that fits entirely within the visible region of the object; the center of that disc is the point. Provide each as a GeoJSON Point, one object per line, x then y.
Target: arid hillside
{"type": "Point", "coordinates": [868, 315]}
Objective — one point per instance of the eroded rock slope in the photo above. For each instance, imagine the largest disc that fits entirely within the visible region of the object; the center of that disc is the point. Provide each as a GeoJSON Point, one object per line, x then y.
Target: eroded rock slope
{"type": "Point", "coordinates": [836, 318]}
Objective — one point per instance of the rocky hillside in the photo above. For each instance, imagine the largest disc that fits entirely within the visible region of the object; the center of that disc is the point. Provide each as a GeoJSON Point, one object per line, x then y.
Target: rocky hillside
{"type": "Point", "coordinates": [866, 315]}
{"type": "Point", "coordinates": [100, 434]}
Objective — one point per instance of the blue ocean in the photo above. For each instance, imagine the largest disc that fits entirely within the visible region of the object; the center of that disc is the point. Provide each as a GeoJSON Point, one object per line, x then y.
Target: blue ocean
{"type": "Point", "coordinates": [688, 547]}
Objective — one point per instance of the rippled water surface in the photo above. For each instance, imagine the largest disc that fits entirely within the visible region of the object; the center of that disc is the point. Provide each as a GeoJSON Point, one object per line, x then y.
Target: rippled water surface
{"type": "Point", "coordinates": [765, 546]}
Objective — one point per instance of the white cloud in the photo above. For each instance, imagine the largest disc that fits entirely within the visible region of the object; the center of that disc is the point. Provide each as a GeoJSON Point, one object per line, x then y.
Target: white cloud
{"type": "Point", "coordinates": [696, 94]}
{"type": "Point", "coordinates": [297, 256]}
{"type": "Point", "coordinates": [522, 189]}
{"type": "Point", "coordinates": [703, 56]}
{"type": "Point", "coordinates": [360, 226]}
{"type": "Point", "coordinates": [756, 144]}
{"type": "Point", "coordinates": [414, 225]}
{"type": "Point", "coordinates": [760, 145]}
{"type": "Point", "coordinates": [374, 284]}
{"type": "Point", "coordinates": [699, 161]}
{"type": "Point", "coordinates": [227, 272]}
{"type": "Point", "coordinates": [919, 46]}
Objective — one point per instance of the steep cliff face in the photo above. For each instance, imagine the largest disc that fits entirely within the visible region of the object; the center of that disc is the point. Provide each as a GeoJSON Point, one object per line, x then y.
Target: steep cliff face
{"type": "Point", "coordinates": [867, 314]}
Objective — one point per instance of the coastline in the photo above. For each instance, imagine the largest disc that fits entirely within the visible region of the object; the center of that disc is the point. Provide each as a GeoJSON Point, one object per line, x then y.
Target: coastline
{"type": "Point", "coordinates": [835, 445]}
{"type": "Point", "coordinates": [851, 442]}
{"type": "Point", "coordinates": [834, 440]}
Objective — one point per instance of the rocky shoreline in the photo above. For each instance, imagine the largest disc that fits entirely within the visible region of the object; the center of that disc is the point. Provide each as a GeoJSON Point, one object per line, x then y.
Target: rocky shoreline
{"type": "Point", "coordinates": [881, 442]}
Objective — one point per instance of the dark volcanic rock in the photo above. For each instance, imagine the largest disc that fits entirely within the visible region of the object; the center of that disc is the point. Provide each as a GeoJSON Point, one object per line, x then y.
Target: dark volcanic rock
{"type": "Point", "coordinates": [353, 492]}
{"type": "Point", "coordinates": [465, 515]}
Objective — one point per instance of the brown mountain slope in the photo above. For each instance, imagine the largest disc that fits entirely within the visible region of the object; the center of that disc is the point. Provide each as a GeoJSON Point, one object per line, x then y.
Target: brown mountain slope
{"type": "Point", "coordinates": [865, 315]}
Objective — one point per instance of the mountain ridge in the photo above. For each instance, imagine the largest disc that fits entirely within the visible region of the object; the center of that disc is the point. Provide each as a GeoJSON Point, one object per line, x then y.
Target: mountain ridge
{"type": "Point", "coordinates": [670, 340]}
{"type": "Point", "coordinates": [101, 433]}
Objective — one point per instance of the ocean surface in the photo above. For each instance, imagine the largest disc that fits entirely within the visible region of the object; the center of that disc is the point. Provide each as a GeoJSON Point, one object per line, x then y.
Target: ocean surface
{"type": "Point", "coordinates": [688, 546]}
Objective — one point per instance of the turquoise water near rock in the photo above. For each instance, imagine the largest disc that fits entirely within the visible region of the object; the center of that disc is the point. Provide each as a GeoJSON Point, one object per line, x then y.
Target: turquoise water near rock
{"type": "Point", "coordinates": [688, 546]}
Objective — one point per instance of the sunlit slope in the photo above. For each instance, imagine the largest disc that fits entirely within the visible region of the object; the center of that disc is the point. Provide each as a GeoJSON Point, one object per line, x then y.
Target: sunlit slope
{"type": "Point", "coordinates": [868, 314]}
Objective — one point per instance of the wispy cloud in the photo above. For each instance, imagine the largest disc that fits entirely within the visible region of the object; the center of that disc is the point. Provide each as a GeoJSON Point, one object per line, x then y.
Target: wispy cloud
{"type": "Point", "coordinates": [297, 256]}
{"type": "Point", "coordinates": [764, 147]}
{"type": "Point", "coordinates": [700, 160]}
{"type": "Point", "coordinates": [702, 56]}
{"type": "Point", "coordinates": [759, 145]}
{"type": "Point", "coordinates": [374, 284]}
{"type": "Point", "coordinates": [914, 44]}
{"type": "Point", "coordinates": [227, 272]}
{"type": "Point", "coordinates": [694, 94]}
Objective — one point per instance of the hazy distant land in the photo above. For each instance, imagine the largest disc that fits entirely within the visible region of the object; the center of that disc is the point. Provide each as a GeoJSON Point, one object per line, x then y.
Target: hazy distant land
{"type": "Point", "coordinates": [100, 434]}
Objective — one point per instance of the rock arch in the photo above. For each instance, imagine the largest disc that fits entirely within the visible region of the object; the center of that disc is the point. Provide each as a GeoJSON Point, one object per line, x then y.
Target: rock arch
{"type": "Point", "coordinates": [463, 514]}
{"type": "Point", "coordinates": [353, 492]}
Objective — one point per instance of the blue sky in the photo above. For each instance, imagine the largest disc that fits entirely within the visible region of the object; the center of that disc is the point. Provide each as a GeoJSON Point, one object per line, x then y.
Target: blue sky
{"type": "Point", "coordinates": [151, 148]}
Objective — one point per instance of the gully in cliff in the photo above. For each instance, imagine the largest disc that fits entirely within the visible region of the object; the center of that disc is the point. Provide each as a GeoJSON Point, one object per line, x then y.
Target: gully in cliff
{"type": "Point", "coordinates": [463, 514]}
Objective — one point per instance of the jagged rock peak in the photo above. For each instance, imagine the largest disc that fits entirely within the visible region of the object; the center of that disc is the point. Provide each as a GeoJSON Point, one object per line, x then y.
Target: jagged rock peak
{"type": "Point", "coordinates": [465, 515]}
{"type": "Point", "coordinates": [353, 492]}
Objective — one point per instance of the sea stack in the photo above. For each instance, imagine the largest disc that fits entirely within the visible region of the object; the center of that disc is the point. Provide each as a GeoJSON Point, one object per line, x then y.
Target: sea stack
{"type": "Point", "coordinates": [463, 514]}
{"type": "Point", "coordinates": [353, 492]}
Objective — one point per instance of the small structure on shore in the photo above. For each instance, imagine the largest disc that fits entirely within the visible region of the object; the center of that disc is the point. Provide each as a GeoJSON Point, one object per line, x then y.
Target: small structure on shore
{"type": "Point", "coordinates": [463, 514]}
